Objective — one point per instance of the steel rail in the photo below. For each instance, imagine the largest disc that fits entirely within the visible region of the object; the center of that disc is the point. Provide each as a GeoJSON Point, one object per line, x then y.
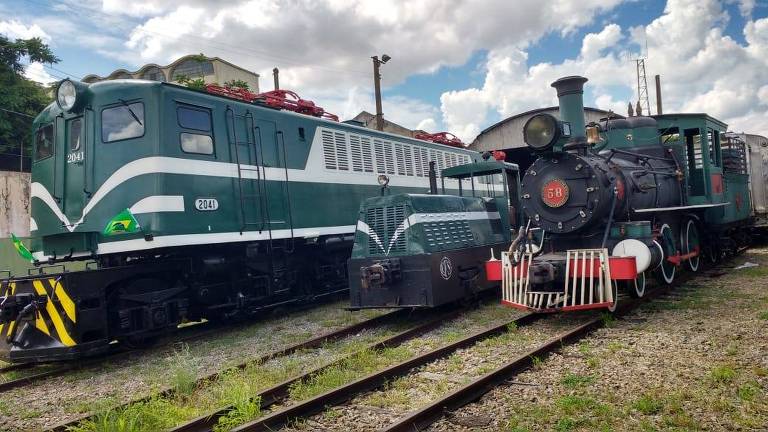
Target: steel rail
{"type": "Point", "coordinates": [197, 330]}
{"type": "Point", "coordinates": [309, 343]}
{"type": "Point", "coordinates": [341, 394]}
{"type": "Point", "coordinates": [279, 392]}
{"type": "Point", "coordinates": [116, 352]}
{"type": "Point", "coordinates": [424, 417]}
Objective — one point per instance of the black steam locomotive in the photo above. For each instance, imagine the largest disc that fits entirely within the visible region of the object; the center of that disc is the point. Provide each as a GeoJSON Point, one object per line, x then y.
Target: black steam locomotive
{"type": "Point", "coordinates": [616, 200]}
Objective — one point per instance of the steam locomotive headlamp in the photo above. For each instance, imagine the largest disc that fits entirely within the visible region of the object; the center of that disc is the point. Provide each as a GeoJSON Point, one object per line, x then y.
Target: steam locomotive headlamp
{"type": "Point", "coordinates": [70, 95]}
{"type": "Point", "coordinates": [542, 131]}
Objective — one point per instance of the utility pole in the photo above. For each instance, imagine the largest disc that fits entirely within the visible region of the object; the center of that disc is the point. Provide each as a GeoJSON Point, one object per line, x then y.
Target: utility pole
{"type": "Point", "coordinates": [276, 76]}
{"type": "Point", "coordinates": [659, 110]}
{"type": "Point", "coordinates": [377, 88]}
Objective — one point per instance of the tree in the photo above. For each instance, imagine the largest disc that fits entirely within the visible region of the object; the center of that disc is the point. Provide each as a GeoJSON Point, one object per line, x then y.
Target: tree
{"type": "Point", "coordinates": [20, 98]}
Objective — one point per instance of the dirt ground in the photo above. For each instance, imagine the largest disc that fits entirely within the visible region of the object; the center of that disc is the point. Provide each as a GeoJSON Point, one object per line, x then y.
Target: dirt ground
{"type": "Point", "coordinates": [694, 360]}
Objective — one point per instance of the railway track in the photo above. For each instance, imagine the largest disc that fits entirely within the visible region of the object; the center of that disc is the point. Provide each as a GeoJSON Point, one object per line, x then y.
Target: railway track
{"type": "Point", "coordinates": [425, 416]}
{"type": "Point", "coordinates": [314, 342]}
{"type": "Point", "coordinates": [185, 334]}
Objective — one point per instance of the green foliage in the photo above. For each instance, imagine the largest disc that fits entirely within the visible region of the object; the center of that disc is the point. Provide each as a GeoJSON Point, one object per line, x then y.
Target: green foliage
{"type": "Point", "coordinates": [195, 84]}
{"type": "Point", "coordinates": [183, 369]}
{"type": "Point", "coordinates": [764, 315]}
{"type": "Point", "coordinates": [722, 374]}
{"type": "Point", "coordinates": [24, 97]}
{"type": "Point", "coordinates": [575, 380]}
{"type": "Point", "coordinates": [237, 84]}
{"type": "Point", "coordinates": [648, 404]}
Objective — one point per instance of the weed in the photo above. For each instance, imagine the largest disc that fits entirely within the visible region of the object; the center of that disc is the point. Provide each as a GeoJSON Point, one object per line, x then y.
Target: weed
{"type": "Point", "coordinates": [722, 374]}
{"type": "Point", "coordinates": [536, 361]}
{"type": "Point", "coordinates": [754, 272]}
{"type": "Point", "coordinates": [648, 404]}
{"type": "Point", "coordinates": [584, 348]}
{"type": "Point", "coordinates": [593, 362]}
{"type": "Point", "coordinates": [566, 424]}
{"type": "Point", "coordinates": [608, 319]}
{"type": "Point", "coordinates": [747, 392]}
{"type": "Point", "coordinates": [732, 350]}
{"type": "Point", "coordinates": [614, 347]}
{"type": "Point", "coordinates": [574, 380]}
{"type": "Point", "coordinates": [764, 315]}
{"type": "Point", "coordinates": [149, 416]}
{"type": "Point", "coordinates": [183, 371]}
{"type": "Point", "coordinates": [573, 404]}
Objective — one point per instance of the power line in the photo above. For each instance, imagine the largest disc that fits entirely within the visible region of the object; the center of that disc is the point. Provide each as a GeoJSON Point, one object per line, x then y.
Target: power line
{"type": "Point", "coordinates": [17, 113]}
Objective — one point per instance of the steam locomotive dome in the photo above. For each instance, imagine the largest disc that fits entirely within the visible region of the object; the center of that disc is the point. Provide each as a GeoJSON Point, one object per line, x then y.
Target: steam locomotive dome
{"type": "Point", "coordinates": [565, 192]}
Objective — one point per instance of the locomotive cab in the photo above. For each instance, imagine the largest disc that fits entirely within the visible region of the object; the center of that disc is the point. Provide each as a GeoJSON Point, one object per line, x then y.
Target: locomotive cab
{"type": "Point", "coordinates": [425, 250]}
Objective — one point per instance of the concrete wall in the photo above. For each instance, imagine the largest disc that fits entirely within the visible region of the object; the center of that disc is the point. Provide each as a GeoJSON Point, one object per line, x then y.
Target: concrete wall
{"type": "Point", "coordinates": [225, 72]}
{"type": "Point", "coordinates": [14, 204]}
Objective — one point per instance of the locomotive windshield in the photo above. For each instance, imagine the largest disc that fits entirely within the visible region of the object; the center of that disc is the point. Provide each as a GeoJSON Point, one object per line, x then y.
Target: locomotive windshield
{"type": "Point", "coordinates": [122, 122]}
{"type": "Point", "coordinates": [44, 142]}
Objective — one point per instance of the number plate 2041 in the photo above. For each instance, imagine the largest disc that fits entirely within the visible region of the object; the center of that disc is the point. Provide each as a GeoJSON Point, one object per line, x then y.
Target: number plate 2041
{"type": "Point", "coordinates": [206, 204]}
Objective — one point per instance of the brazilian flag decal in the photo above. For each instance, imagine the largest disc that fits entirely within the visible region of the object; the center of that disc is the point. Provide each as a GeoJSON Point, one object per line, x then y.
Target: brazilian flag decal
{"type": "Point", "coordinates": [123, 223]}
{"type": "Point", "coordinates": [21, 249]}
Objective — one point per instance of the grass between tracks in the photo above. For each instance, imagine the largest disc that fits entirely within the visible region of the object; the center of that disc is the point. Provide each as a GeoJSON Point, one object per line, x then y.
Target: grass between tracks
{"type": "Point", "coordinates": [237, 388]}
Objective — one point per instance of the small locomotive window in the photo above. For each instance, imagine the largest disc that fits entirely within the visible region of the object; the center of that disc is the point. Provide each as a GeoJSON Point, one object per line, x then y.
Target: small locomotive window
{"type": "Point", "coordinates": [196, 143]}
{"type": "Point", "coordinates": [122, 122]}
{"type": "Point", "coordinates": [713, 139]}
{"type": "Point", "coordinates": [44, 142]}
{"type": "Point", "coordinates": [75, 134]}
{"type": "Point", "coordinates": [192, 118]}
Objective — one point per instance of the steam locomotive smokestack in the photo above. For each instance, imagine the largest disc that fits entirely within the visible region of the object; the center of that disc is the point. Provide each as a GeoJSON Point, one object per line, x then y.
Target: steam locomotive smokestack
{"type": "Point", "coordinates": [570, 94]}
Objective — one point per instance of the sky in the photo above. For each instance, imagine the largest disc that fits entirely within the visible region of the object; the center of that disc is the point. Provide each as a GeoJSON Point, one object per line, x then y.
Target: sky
{"type": "Point", "coordinates": [457, 66]}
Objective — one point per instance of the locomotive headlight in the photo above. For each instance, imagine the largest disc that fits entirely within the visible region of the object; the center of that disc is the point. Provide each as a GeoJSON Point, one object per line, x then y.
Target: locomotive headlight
{"type": "Point", "coordinates": [66, 95]}
{"type": "Point", "coordinates": [541, 131]}
{"type": "Point", "coordinates": [70, 95]}
{"type": "Point", "coordinates": [383, 180]}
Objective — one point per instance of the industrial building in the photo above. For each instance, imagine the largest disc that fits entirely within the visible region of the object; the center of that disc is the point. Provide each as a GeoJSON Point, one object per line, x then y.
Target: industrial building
{"type": "Point", "coordinates": [507, 134]}
{"type": "Point", "coordinates": [211, 69]}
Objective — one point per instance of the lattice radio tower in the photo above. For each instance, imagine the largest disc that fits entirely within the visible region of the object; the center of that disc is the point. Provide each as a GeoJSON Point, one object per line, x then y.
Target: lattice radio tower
{"type": "Point", "coordinates": [642, 87]}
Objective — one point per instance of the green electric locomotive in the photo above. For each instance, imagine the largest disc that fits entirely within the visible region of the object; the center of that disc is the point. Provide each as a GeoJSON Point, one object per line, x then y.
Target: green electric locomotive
{"type": "Point", "coordinates": [190, 205]}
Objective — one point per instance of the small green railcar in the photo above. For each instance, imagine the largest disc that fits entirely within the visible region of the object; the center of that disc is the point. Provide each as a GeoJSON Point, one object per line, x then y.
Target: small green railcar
{"type": "Point", "coordinates": [191, 205]}
{"type": "Point", "coordinates": [426, 250]}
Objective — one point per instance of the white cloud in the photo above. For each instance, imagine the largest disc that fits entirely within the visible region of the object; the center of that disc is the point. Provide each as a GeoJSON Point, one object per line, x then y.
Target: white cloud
{"type": "Point", "coordinates": [16, 30]}
{"type": "Point", "coordinates": [133, 8]}
{"type": "Point", "coordinates": [36, 72]}
{"type": "Point", "coordinates": [405, 111]}
{"type": "Point", "coordinates": [706, 71]}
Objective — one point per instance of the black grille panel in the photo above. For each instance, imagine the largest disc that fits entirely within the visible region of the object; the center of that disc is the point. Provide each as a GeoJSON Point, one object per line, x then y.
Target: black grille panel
{"type": "Point", "coordinates": [448, 234]}
{"type": "Point", "coordinates": [384, 221]}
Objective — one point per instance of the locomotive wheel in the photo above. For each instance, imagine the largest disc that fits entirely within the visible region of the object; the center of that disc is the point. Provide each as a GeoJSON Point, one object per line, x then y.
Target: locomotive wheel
{"type": "Point", "coordinates": [636, 288]}
{"type": "Point", "coordinates": [666, 271]}
{"type": "Point", "coordinates": [689, 241]}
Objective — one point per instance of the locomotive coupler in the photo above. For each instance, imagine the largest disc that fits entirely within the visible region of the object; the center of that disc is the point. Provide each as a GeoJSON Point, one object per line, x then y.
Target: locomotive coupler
{"type": "Point", "coordinates": [17, 307]}
{"type": "Point", "coordinates": [382, 273]}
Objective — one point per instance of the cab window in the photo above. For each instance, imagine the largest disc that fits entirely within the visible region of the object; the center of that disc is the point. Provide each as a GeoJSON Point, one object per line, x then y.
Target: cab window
{"type": "Point", "coordinates": [44, 142]}
{"type": "Point", "coordinates": [122, 122]}
{"type": "Point", "coordinates": [196, 129]}
{"type": "Point", "coordinates": [75, 134]}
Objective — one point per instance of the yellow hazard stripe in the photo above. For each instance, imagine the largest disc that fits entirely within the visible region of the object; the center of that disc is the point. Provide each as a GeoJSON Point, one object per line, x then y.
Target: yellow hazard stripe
{"type": "Point", "coordinates": [11, 289]}
{"type": "Point", "coordinates": [63, 297]}
{"type": "Point", "coordinates": [40, 324]}
{"type": "Point", "coordinates": [58, 324]}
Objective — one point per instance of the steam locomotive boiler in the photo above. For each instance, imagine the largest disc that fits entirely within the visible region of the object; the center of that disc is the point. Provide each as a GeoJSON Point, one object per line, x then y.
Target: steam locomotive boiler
{"type": "Point", "coordinates": [615, 201]}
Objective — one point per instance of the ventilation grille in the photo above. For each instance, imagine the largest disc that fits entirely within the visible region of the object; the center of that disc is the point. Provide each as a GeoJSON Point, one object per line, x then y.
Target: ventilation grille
{"type": "Point", "coordinates": [385, 222]}
{"type": "Point", "coordinates": [448, 234]}
{"type": "Point", "coordinates": [343, 151]}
